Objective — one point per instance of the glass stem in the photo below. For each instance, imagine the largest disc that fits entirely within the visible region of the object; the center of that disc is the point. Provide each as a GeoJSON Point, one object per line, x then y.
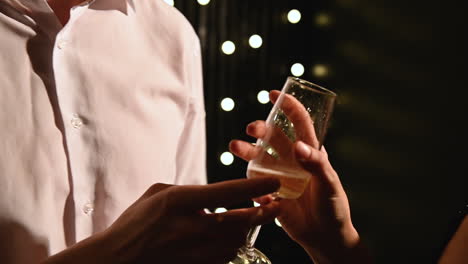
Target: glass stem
{"type": "Point", "coordinates": [249, 250]}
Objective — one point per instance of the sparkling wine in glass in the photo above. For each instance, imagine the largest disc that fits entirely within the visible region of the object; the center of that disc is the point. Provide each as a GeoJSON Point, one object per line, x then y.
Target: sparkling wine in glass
{"type": "Point", "coordinates": [301, 112]}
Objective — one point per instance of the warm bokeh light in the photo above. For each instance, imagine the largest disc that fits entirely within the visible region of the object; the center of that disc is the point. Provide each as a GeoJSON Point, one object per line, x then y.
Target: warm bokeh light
{"type": "Point", "coordinates": [220, 210]}
{"type": "Point", "coordinates": [320, 70]}
{"type": "Point", "coordinates": [294, 16]}
{"type": "Point", "coordinates": [322, 19]}
{"type": "Point", "coordinates": [169, 2]}
{"type": "Point", "coordinates": [256, 204]}
{"type": "Point", "coordinates": [277, 222]}
{"type": "Point", "coordinates": [227, 104]}
{"type": "Point", "coordinates": [228, 47]}
{"type": "Point", "coordinates": [203, 2]}
{"type": "Point", "coordinates": [263, 97]}
{"type": "Point", "coordinates": [226, 158]}
{"type": "Point", "coordinates": [255, 41]}
{"type": "Point", "coordinates": [297, 69]}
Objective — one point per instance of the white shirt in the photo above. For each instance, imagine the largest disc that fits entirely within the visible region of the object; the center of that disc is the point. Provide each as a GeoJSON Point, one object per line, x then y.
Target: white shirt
{"type": "Point", "coordinates": [91, 115]}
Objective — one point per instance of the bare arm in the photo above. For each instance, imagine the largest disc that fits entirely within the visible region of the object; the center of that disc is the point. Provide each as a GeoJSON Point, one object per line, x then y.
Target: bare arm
{"type": "Point", "coordinates": [163, 224]}
{"type": "Point", "coordinates": [456, 251]}
{"type": "Point", "coordinates": [93, 250]}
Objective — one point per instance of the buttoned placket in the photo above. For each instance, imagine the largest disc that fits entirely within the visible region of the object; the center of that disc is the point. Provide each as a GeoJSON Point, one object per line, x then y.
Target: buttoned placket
{"type": "Point", "coordinates": [75, 123]}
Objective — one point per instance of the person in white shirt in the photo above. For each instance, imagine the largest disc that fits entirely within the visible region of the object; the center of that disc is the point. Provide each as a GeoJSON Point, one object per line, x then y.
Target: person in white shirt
{"type": "Point", "coordinates": [96, 107]}
{"type": "Point", "coordinates": [100, 100]}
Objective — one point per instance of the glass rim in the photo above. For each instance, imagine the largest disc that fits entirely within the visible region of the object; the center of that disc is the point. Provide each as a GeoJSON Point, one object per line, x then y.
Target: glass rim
{"type": "Point", "coordinates": [312, 86]}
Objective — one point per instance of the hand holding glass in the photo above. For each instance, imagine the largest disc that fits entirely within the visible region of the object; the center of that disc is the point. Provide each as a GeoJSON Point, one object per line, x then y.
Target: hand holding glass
{"type": "Point", "coordinates": [300, 113]}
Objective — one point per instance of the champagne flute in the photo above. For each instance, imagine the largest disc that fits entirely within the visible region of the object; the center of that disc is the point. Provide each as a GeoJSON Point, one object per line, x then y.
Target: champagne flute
{"type": "Point", "coordinates": [301, 112]}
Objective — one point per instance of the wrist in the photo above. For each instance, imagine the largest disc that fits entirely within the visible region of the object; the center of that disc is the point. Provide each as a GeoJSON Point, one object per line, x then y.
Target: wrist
{"type": "Point", "coordinates": [93, 250]}
{"type": "Point", "coordinates": [342, 246]}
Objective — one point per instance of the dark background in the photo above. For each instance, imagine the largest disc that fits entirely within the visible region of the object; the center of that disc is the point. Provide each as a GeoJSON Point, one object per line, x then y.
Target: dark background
{"type": "Point", "coordinates": [396, 138]}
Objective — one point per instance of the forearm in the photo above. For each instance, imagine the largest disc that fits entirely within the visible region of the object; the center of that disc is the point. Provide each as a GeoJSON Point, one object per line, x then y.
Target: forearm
{"type": "Point", "coordinates": [346, 248]}
{"type": "Point", "coordinates": [93, 250]}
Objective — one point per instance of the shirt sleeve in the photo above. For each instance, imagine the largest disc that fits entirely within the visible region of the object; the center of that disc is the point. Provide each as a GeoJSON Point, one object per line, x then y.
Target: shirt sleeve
{"type": "Point", "coordinates": [191, 150]}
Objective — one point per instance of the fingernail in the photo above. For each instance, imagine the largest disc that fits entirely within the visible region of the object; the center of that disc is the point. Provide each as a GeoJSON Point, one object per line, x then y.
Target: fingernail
{"type": "Point", "coordinates": [303, 151]}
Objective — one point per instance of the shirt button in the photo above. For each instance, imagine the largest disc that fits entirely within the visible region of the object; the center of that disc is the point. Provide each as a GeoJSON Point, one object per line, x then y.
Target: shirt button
{"type": "Point", "coordinates": [76, 122]}
{"type": "Point", "coordinates": [88, 208]}
{"type": "Point", "coordinates": [61, 43]}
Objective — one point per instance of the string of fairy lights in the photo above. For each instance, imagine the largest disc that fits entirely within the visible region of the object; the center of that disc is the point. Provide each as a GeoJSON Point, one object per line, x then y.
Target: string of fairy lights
{"type": "Point", "coordinates": [297, 69]}
{"type": "Point", "coordinates": [228, 47]}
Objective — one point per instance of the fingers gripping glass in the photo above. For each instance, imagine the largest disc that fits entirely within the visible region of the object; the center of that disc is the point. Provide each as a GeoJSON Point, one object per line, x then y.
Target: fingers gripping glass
{"type": "Point", "coordinates": [301, 112]}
